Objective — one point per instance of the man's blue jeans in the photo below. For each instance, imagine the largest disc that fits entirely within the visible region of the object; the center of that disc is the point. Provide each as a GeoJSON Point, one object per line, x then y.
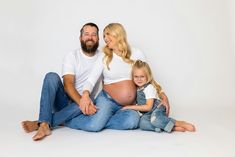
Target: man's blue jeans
{"type": "Point", "coordinates": [108, 116]}
{"type": "Point", "coordinates": [55, 105]}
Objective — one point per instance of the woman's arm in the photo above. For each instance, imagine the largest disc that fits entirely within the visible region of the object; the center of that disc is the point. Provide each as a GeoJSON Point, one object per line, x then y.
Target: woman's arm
{"type": "Point", "coordinates": [94, 75]}
{"type": "Point", "coordinates": [90, 83]}
{"type": "Point", "coordinates": [164, 102]}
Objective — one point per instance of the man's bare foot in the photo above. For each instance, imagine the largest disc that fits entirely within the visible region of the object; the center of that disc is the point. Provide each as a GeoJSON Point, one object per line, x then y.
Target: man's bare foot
{"type": "Point", "coordinates": [186, 126]}
{"type": "Point", "coordinates": [177, 128]}
{"type": "Point", "coordinates": [29, 126]}
{"type": "Point", "coordinates": [43, 131]}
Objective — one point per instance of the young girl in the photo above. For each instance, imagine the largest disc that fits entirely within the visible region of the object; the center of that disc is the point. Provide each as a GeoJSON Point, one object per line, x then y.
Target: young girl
{"type": "Point", "coordinates": [154, 116]}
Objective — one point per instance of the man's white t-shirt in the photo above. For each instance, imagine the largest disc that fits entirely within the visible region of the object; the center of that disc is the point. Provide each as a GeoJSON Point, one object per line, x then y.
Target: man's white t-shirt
{"type": "Point", "coordinates": [80, 65]}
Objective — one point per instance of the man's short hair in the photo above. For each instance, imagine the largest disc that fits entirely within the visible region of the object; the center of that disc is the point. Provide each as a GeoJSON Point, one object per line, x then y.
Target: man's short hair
{"type": "Point", "coordinates": [89, 24]}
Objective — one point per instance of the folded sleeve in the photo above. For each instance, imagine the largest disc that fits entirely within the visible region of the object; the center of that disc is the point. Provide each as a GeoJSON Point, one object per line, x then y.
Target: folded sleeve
{"type": "Point", "coordinates": [68, 65]}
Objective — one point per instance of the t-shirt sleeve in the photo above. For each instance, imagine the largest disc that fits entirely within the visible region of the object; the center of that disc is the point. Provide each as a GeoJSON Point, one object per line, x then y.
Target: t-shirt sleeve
{"type": "Point", "coordinates": [68, 64]}
{"type": "Point", "coordinates": [150, 92]}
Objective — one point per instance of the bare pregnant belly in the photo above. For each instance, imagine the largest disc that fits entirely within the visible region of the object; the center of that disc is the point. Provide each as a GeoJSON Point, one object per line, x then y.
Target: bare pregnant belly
{"type": "Point", "coordinates": [124, 92]}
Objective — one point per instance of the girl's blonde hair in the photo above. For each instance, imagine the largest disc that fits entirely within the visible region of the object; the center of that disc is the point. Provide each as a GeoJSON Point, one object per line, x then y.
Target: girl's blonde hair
{"type": "Point", "coordinates": [143, 65]}
{"type": "Point", "coordinates": [117, 31]}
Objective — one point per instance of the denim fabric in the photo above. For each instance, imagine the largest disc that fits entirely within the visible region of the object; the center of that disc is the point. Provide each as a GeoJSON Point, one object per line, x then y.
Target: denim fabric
{"type": "Point", "coordinates": [160, 120]}
{"type": "Point", "coordinates": [55, 106]}
{"type": "Point", "coordinates": [108, 116]}
{"type": "Point", "coordinates": [156, 119]}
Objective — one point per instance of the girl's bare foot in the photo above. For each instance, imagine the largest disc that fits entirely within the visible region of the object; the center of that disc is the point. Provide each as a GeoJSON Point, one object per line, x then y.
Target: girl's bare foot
{"type": "Point", "coordinates": [186, 126]}
{"type": "Point", "coordinates": [43, 131]}
{"type": "Point", "coordinates": [177, 128]}
{"type": "Point", "coordinates": [29, 126]}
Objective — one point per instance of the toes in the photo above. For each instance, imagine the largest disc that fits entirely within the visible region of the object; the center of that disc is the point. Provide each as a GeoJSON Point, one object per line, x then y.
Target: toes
{"type": "Point", "coordinates": [193, 129]}
{"type": "Point", "coordinates": [24, 126]}
{"type": "Point", "coordinates": [29, 126]}
{"type": "Point", "coordinates": [38, 137]}
{"type": "Point", "coordinates": [42, 133]}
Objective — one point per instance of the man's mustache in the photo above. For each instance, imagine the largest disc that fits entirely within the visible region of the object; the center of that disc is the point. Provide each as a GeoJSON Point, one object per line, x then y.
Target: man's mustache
{"type": "Point", "coordinates": [89, 40]}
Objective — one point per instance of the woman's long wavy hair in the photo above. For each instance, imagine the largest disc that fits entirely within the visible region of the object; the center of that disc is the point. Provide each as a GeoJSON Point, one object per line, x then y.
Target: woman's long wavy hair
{"type": "Point", "coordinates": [117, 31]}
{"type": "Point", "coordinates": [143, 65]}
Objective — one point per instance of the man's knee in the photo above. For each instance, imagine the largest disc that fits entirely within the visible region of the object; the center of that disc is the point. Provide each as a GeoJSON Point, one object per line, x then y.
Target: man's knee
{"type": "Point", "coordinates": [52, 76]}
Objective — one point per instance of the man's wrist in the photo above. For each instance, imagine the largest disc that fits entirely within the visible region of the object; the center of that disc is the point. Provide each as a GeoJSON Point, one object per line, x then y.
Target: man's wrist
{"type": "Point", "coordinates": [86, 93]}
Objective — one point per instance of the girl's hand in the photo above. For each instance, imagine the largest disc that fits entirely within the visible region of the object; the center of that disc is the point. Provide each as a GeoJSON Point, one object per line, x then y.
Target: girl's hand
{"type": "Point", "coordinates": [126, 107]}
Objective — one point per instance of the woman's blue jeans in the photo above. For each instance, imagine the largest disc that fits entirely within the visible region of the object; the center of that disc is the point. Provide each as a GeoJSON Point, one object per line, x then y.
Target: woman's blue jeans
{"type": "Point", "coordinates": [109, 115]}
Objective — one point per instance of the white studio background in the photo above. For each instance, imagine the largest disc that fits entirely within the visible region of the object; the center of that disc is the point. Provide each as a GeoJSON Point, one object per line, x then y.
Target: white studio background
{"type": "Point", "coordinates": [188, 43]}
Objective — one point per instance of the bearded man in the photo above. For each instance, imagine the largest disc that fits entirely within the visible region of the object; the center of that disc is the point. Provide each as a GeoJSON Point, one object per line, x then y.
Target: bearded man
{"type": "Point", "coordinates": [60, 102]}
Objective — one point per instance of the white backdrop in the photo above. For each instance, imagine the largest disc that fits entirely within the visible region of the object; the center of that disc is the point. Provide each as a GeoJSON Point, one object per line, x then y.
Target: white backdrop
{"type": "Point", "coordinates": [190, 44]}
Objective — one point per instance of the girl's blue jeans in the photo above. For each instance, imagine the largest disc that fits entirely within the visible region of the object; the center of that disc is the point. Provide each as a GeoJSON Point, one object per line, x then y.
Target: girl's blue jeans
{"type": "Point", "coordinates": [156, 120]}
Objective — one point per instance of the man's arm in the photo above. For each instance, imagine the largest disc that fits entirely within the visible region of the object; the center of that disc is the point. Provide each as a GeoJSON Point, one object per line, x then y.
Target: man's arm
{"type": "Point", "coordinates": [70, 89]}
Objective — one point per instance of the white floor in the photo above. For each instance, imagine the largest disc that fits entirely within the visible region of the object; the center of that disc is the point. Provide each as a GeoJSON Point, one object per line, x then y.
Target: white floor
{"type": "Point", "coordinates": [215, 137]}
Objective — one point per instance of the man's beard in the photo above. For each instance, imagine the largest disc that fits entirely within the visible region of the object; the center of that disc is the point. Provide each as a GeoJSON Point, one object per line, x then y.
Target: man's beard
{"type": "Point", "coordinates": [89, 48]}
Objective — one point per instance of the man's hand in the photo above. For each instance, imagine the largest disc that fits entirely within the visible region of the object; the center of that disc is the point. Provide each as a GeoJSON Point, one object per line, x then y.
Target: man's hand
{"type": "Point", "coordinates": [86, 105]}
{"type": "Point", "coordinates": [91, 109]}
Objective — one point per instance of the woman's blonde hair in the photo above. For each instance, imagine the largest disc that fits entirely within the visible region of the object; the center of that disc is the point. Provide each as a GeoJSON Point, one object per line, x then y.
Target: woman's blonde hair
{"type": "Point", "coordinates": [143, 65]}
{"type": "Point", "coordinates": [117, 31]}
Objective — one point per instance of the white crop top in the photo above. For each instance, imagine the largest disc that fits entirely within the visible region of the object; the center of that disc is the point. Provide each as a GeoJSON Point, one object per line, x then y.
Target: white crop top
{"type": "Point", "coordinates": [119, 69]}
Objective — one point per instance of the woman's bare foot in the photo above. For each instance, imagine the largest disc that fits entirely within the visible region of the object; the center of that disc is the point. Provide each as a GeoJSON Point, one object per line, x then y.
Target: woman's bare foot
{"type": "Point", "coordinates": [43, 131]}
{"type": "Point", "coordinates": [29, 126]}
{"type": "Point", "coordinates": [186, 126]}
{"type": "Point", "coordinates": [177, 128]}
